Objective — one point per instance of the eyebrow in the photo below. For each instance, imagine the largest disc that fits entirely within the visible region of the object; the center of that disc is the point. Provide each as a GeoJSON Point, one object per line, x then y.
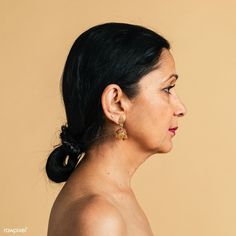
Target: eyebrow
{"type": "Point", "coordinates": [172, 75]}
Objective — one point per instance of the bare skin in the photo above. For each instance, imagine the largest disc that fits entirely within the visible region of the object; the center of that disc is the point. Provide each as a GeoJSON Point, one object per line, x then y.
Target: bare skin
{"type": "Point", "coordinates": [98, 199]}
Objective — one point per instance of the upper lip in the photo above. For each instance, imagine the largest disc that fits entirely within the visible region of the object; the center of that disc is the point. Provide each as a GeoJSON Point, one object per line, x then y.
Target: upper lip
{"type": "Point", "coordinates": [174, 128]}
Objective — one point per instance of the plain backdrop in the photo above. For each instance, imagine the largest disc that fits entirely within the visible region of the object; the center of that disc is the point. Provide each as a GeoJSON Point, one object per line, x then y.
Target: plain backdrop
{"type": "Point", "coordinates": [189, 191]}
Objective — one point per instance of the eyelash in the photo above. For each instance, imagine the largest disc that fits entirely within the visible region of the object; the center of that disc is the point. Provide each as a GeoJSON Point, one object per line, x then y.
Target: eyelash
{"type": "Point", "coordinates": [169, 88]}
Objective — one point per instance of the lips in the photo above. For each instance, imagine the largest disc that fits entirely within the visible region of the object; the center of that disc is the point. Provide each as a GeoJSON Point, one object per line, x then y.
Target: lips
{"type": "Point", "coordinates": [173, 129]}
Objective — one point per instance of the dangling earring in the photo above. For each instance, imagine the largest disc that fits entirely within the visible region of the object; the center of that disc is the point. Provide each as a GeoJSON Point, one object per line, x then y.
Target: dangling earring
{"type": "Point", "coordinates": [121, 132]}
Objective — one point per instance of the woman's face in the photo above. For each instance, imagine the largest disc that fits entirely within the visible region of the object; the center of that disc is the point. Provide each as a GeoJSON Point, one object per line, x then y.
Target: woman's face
{"type": "Point", "coordinates": [156, 108]}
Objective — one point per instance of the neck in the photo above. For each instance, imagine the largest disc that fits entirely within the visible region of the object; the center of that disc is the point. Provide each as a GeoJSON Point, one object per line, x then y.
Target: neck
{"type": "Point", "coordinates": [115, 161]}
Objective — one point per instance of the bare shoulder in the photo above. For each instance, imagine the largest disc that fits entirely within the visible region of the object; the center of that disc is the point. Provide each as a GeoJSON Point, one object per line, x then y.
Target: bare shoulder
{"type": "Point", "coordinates": [97, 216]}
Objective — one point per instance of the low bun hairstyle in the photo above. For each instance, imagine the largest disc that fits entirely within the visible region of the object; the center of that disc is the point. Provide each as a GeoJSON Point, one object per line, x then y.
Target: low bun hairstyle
{"type": "Point", "coordinates": [109, 53]}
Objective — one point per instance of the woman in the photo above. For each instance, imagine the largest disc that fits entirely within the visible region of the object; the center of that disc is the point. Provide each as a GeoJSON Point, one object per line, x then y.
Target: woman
{"type": "Point", "coordinates": [121, 107]}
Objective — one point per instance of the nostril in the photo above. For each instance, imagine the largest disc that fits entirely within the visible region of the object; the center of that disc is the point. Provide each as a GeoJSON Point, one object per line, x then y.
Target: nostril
{"type": "Point", "coordinates": [181, 114]}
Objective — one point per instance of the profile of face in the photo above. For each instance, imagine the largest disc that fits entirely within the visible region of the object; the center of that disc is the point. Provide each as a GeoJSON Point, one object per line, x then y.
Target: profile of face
{"type": "Point", "coordinates": [156, 108]}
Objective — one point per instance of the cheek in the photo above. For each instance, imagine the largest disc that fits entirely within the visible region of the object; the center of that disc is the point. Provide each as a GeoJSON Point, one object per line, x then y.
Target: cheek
{"type": "Point", "coordinates": [149, 118]}
{"type": "Point", "coordinates": [158, 116]}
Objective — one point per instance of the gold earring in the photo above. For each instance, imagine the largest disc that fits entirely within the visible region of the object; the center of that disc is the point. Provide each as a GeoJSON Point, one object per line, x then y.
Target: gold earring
{"type": "Point", "coordinates": [121, 132]}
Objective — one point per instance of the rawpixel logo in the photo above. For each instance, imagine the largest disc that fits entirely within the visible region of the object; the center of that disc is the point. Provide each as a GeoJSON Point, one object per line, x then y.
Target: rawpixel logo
{"type": "Point", "coordinates": [15, 230]}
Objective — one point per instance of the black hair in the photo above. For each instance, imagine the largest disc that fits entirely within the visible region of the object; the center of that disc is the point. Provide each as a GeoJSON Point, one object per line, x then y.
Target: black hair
{"type": "Point", "coordinates": [108, 53]}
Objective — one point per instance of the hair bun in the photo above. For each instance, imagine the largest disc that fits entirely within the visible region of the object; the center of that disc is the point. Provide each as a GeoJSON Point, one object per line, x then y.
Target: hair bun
{"type": "Point", "coordinates": [58, 166]}
{"type": "Point", "coordinates": [56, 169]}
{"type": "Point", "coordinates": [70, 145]}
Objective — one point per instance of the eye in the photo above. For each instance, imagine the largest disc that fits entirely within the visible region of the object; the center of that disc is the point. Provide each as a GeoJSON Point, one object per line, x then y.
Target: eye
{"type": "Point", "coordinates": [168, 89]}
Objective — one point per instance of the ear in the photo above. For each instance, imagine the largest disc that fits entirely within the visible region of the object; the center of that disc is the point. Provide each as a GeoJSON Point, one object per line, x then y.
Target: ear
{"type": "Point", "coordinates": [114, 102]}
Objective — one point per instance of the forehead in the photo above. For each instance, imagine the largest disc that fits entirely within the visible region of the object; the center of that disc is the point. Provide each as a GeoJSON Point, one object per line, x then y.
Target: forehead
{"type": "Point", "coordinates": [161, 71]}
{"type": "Point", "coordinates": [166, 60]}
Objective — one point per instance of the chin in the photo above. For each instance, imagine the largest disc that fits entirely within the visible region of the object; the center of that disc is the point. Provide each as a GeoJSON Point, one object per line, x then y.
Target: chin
{"type": "Point", "coordinates": [164, 149]}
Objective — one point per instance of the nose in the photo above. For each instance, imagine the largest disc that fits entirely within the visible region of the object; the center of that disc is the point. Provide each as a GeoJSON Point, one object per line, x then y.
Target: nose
{"type": "Point", "coordinates": [180, 108]}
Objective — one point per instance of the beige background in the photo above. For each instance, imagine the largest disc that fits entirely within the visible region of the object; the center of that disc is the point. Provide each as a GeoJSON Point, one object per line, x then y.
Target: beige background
{"type": "Point", "coordinates": [189, 191]}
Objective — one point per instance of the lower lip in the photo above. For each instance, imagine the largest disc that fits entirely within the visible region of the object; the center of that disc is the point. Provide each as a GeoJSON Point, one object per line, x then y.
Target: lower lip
{"type": "Point", "coordinates": [172, 132]}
